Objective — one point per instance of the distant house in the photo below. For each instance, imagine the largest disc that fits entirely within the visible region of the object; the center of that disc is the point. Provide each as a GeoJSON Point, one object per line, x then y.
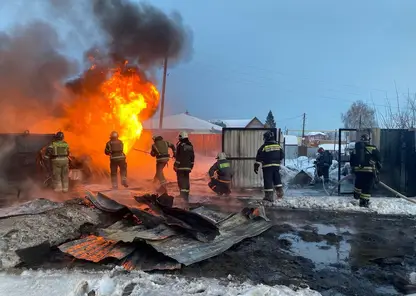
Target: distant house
{"type": "Point", "coordinates": [315, 136]}
{"type": "Point", "coordinates": [239, 123]}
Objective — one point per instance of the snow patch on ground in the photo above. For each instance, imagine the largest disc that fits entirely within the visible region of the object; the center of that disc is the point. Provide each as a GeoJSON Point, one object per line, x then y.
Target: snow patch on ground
{"type": "Point", "coordinates": [379, 205]}
{"type": "Point", "coordinates": [79, 283]}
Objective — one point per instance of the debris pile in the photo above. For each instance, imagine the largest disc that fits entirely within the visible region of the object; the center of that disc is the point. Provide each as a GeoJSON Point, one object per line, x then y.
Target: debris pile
{"type": "Point", "coordinates": [147, 233]}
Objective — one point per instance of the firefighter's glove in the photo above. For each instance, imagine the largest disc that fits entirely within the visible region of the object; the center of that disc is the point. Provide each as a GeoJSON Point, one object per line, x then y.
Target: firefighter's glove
{"type": "Point", "coordinates": [256, 167]}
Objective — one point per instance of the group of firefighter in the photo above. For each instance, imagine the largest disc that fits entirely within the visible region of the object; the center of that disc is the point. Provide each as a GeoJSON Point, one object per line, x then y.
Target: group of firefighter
{"type": "Point", "coordinates": [365, 163]}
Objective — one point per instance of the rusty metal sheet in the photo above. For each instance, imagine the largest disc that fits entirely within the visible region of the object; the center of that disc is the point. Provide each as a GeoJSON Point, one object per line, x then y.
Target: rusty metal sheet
{"type": "Point", "coordinates": [233, 230]}
{"type": "Point", "coordinates": [103, 203]}
{"type": "Point", "coordinates": [128, 234]}
{"type": "Point", "coordinates": [148, 260]}
{"type": "Point", "coordinates": [33, 207]}
{"type": "Point", "coordinates": [94, 248]}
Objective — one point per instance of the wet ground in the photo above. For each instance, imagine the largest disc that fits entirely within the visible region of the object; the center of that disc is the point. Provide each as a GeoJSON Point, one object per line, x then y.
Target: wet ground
{"type": "Point", "coordinates": [348, 254]}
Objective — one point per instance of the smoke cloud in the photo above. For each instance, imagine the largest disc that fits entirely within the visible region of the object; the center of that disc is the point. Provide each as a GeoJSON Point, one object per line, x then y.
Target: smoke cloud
{"type": "Point", "coordinates": [141, 33]}
{"type": "Point", "coordinates": [31, 72]}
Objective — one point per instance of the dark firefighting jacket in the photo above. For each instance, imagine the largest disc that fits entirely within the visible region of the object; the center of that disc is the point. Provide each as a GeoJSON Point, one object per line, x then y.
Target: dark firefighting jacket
{"type": "Point", "coordinates": [160, 150]}
{"type": "Point", "coordinates": [57, 150]}
{"type": "Point", "coordinates": [185, 156]}
{"type": "Point", "coordinates": [270, 154]}
{"type": "Point", "coordinates": [114, 148]}
{"type": "Point", "coordinates": [370, 162]}
{"type": "Point", "coordinates": [221, 171]}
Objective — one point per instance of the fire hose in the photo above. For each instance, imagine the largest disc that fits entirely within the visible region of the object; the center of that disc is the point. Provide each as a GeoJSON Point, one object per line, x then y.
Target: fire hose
{"type": "Point", "coordinates": [388, 188]}
{"type": "Point", "coordinates": [396, 194]}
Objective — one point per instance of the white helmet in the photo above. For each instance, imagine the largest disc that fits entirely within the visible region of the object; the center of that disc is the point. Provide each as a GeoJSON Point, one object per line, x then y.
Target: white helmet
{"type": "Point", "coordinates": [221, 156]}
{"type": "Point", "coordinates": [183, 135]}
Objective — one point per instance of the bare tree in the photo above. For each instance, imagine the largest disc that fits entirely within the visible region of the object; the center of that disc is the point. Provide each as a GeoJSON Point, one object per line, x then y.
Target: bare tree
{"type": "Point", "coordinates": [400, 116]}
{"type": "Point", "coordinates": [359, 115]}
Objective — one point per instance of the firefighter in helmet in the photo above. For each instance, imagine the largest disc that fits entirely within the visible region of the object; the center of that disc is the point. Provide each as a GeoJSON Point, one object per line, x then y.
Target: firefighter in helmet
{"type": "Point", "coordinates": [184, 164]}
{"type": "Point", "coordinates": [115, 149]}
{"type": "Point", "coordinates": [365, 162]}
{"type": "Point", "coordinates": [269, 155]}
{"type": "Point", "coordinates": [160, 150]}
{"type": "Point", "coordinates": [58, 152]}
{"type": "Point", "coordinates": [221, 174]}
{"type": "Point", "coordinates": [322, 163]}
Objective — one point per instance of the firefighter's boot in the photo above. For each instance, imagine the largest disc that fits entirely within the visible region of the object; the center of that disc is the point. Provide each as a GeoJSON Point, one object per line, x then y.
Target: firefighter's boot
{"type": "Point", "coordinates": [279, 192]}
{"type": "Point", "coordinates": [364, 202]}
{"type": "Point", "coordinates": [269, 196]}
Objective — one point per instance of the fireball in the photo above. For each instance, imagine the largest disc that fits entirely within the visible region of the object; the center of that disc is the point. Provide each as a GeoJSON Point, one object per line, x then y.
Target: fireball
{"type": "Point", "coordinates": [130, 99]}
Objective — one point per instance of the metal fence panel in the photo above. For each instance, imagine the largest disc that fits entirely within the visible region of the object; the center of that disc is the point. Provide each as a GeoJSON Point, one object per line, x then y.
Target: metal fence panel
{"type": "Point", "coordinates": [241, 147]}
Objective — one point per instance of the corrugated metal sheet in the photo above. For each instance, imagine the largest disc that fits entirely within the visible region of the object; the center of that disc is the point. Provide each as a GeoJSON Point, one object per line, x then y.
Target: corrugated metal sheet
{"type": "Point", "coordinates": [244, 176]}
{"type": "Point", "coordinates": [94, 248]}
{"type": "Point", "coordinates": [215, 216]}
{"type": "Point", "coordinates": [128, 234]}
{"type": "Point", "coordinates": [233, 230]}
{"type": "Point", "coordinates": [241, 146]}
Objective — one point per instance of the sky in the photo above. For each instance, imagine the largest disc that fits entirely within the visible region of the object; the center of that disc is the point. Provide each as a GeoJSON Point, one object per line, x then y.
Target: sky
{"type": "Point", "coordinates": [290, 57]}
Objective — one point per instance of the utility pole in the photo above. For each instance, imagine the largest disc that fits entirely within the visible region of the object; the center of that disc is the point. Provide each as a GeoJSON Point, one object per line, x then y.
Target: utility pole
{"type": "Point", "coordinates": [359, 123]}
{"type": "Point", "coordinates": [162, 104]}
{"type": "Point", "coordinates": [303, 128]}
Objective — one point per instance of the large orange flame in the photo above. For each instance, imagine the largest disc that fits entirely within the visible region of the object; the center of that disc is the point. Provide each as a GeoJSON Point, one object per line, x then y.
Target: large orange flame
{"type": "Point", "coordinates": [128, 96]}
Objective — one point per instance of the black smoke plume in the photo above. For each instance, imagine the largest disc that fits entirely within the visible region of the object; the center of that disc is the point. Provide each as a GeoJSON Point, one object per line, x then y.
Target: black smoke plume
{"type": "Point", "coordinates": [141, 33]}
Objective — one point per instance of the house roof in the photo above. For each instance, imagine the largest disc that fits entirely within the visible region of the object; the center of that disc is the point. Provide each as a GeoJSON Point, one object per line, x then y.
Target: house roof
{"type": "Point", "coordinates": [182, 121]}
{"type": "Point", "coordinates": [239, 123]}
{"type": "Point", "coordinates": [291, 140]}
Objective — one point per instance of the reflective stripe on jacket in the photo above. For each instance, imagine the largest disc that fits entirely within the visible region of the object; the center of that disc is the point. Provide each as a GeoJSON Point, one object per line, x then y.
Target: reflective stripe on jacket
{"type": "Point", "coordinates": [270, 154]}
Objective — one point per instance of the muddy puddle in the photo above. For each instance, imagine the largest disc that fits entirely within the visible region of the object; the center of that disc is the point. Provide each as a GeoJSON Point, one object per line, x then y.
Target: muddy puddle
{"type": "Point", "coordinates": [333, 253]}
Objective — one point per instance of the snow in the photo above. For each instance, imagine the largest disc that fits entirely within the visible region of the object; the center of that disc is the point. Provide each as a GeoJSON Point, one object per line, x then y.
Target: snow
{"type": "Point", "coordinates": [379, 205]}
{"type": "Point", "coordinates": [182, 121]}
{"type": "Point", "coordinates": [112, 283]}
{"type": "Point", "coordinates": [291, 140]}
{"type": "Point", "coordinates": [315, 134]}
{"type": "Point", "coordinates": [301, 163]}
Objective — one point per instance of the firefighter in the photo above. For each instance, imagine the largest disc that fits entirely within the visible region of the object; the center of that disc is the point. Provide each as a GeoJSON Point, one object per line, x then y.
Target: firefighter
{"type": "Point", "coordinates": [221, 174]}
{"type": "Point", "coordinates": [365, 162]}
{"type": "Point", "coordinates": [160, 150]}
{"type": "Point", "coordinates": [269, 155]}
{"type": "Point", "coordinates": [115, 149]}
{"type": "Point", "coordinates": [184, 164]}
{"type": "Point", "coordinates": [58, 152]}
{"type": "Point", "coordinates": [323, 162]}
